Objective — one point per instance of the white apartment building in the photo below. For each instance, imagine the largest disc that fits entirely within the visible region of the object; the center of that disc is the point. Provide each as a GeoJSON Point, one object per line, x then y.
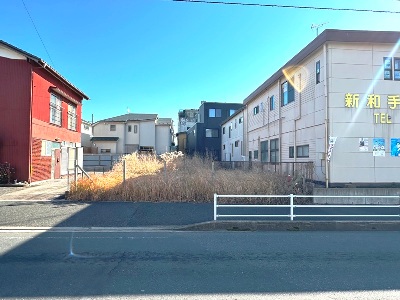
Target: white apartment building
{"type": "Point", "coordinates": [133, 132]}
{"type": "Point", "coordinates": [337, 104]}
{"type": "Point", "coordinates": [232, 137]}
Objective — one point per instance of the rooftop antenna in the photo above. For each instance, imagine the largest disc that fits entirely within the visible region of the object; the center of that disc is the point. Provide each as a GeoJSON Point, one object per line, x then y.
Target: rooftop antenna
{"type": "Point", "coordinates": [316, 26]}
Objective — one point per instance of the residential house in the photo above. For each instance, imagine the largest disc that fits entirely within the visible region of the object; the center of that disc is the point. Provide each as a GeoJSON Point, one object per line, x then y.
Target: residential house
{"type": "Point", "coordinates": [187, 118]}
{"type": "Point", "coordinates": [40, 120]}
{"type": "Point", "coordinates": [86, 135]}
{"type": "Point", "coordinates": [133, 132]}
{"type": "Point", "coordinates": [204, 138]}
{"type": "Point", "coordinates": [336, 103]}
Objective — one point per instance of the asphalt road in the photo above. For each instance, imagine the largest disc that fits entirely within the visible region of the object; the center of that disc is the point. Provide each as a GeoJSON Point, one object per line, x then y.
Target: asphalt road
{"type": "Point", "coordinates": [101, 214]}
{"type": "Point", "coordinates": [200, 265]}
{"type": "Point", "coordinates": [140, 214]}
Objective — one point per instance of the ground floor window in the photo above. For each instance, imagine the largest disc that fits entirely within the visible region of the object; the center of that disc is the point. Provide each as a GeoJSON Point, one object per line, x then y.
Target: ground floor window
{"type": "Point", "coordinates": [264, 151]}
{"type": "Point", "coordinates": [255, 154]}
{"type": "Point", "coordinates": [291, 152]}
{"type": "Point", "coordinates": [47, 146]}
{"type": "Point", "coordinates": [211, 132]}
{"type": "Point", "coordinates": [274, 150]}
{"type": "Point", "coordinates": [302, 151]}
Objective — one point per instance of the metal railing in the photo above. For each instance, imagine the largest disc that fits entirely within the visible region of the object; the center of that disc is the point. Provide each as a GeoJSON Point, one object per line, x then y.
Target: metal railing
{"type": "Point", "coordinates": [292, 206]}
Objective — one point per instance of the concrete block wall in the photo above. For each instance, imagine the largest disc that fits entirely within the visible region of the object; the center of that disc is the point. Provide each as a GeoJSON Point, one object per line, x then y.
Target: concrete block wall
{"type": "Point", "coordinates": [346, 196]}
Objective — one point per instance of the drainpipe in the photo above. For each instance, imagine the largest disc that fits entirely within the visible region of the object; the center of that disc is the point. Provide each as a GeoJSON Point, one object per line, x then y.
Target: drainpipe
{"type": "Point", "coordinates": [327, 169]}
{"type": "Point", "coordinates": [30, 132]}
{"type": "Point", "coordinates": [298, 117]}
{"type": "Point", "coordinates": [246, 140]}
{"type": "Point", "coordinates": [280, 122]}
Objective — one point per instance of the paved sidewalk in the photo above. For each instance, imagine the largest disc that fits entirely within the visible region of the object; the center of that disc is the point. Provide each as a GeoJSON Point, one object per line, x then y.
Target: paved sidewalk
{"type": "Point", "coordinates": [44, 190]}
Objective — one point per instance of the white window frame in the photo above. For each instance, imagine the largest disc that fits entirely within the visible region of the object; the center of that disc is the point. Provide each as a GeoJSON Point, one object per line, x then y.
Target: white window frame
{"type": "Point", "coordinates": [55, 110]}
{"type": "Point", "coordinates": [72, 117]}
{"type": "Point", "coordinates": [303, 151]}
{"type": "Point", "coordinates": [256, 110]}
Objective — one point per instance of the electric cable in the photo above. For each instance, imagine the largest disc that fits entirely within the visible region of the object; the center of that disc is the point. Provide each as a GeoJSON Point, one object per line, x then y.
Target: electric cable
{"type": "Point", "coordinates": [288, 6]}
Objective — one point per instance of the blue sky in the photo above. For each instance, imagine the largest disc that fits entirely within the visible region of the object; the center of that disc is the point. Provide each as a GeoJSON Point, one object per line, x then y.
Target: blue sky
{"type": "Point", "coordinates": [159, 56]}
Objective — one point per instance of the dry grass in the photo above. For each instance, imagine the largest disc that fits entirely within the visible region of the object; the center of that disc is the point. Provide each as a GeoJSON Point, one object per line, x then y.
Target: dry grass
{"type": "Point", "coordinates": [176, 178]}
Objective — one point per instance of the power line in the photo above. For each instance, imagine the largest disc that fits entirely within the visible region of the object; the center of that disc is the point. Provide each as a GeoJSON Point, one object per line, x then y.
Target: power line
{"type": "Point", "coordinates": [288, 6]}
{"type": "Point", "coordinates": [33, 23]}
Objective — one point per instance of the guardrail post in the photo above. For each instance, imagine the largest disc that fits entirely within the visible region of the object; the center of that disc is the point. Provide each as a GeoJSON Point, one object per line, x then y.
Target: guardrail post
{"type": "Point", "coordinates": [215, 207]}
{"type": "Point", "coordinates": [291, 207]}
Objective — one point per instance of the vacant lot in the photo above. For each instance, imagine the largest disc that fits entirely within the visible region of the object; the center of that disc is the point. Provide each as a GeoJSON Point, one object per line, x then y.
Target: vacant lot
{"type": "Point", "coordinates": [174, 177]}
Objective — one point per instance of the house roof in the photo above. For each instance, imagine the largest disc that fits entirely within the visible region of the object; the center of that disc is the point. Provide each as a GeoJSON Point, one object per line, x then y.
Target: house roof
{"type": "Point", "coordinates": [328, 35]}
{"type": "Point", "coordinates": [131, 117]}
{"type": "Point", "coordinates": [105, 138]}
{"type": "Point", "coordinates": [46, 66]}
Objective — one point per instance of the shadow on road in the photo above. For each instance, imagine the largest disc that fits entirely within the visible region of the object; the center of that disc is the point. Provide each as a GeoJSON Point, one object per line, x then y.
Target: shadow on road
{"type": "Point", "coordinates": [83, 264]}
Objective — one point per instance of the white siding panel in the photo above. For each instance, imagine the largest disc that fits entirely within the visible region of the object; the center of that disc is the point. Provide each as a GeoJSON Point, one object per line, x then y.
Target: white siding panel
{"type": "Point", "coordinates": [163, 139]}
{"type": "Point", "coordinates": [147, 134]}
{"type": "Point", "coordinates": [353, 86]}
{"type": "Point", "coordinates": [352, 71]}
{"type": "Point", "coordinates": [351, 130]}
{"type": "Point", "coordinates": [351, 56]}
{"type": "Point", "coordinates": [354, 175]}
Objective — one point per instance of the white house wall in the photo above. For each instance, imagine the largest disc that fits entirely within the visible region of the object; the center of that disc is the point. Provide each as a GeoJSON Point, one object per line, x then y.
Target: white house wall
{"type": "Point", "coordinates": [103, 145]}
{"type": "Point", "coordinates": [264, 124]}
{"type": "Point", "coordinates": [163, 139]}
{"type": "Point", "coordinates": [103, 130]}
{"type": "Point", "coordinates": [357, 69]}
{"type": "Point", "coordinates": [86, 134]}
{"type": "Point", "coordinates": [231, 151]}
{"type": "Point", "coordinates": [298, 123]}
{"type": "Point", "coordinates": [147, 134]}
{"type": "Point", "coordinates": [132, 138]}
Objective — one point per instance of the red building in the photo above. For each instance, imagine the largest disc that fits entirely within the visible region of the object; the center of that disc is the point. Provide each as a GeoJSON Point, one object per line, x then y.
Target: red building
{"type": "Point", "coordinates": [40, 116]}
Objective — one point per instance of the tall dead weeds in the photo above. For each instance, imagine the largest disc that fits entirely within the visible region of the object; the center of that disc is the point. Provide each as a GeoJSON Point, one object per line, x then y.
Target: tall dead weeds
{"type": "Point", "coordinates": [173, 177]}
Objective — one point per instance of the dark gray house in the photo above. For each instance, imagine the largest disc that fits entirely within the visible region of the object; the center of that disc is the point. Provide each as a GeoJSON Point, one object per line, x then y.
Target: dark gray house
{"type": "Point", "coordinates": [204, 138]}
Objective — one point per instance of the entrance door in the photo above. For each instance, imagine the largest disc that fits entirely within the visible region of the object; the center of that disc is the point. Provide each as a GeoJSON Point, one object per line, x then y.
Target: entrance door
{"type": "Point", "coordinates": [56, 164]}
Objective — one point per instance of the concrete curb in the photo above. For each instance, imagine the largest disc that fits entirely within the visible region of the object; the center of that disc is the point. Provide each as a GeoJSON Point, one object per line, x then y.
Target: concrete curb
{"type": "Point", "coordinates": [294, 226]}
{"type": "Point", "coordinates": [6, 229]}
{"type": "Point", "coordinates": [231, 226]}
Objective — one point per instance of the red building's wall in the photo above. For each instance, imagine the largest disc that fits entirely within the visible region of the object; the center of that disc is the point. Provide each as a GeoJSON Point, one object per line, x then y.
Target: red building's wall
{"type": "Point", "coordinates": [42, 82]}
{"type": "Point", "coordinates": [25, 118]}
{"type": "Point", "coordinates": [15, 91]}
{"type": "Point", "coordinates": [41, 165]}
{"type": "Point", "coordinates": [41, 127]}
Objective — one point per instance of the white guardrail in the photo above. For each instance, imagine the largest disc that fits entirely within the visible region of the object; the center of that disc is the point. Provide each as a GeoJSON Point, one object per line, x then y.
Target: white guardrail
{"type": "Point", "coordinates": [292, 206]}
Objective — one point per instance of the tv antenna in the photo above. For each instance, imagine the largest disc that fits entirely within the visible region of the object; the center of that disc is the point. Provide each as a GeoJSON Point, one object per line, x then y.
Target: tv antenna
{"type": "Point", "coordinates": [316, 26]}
